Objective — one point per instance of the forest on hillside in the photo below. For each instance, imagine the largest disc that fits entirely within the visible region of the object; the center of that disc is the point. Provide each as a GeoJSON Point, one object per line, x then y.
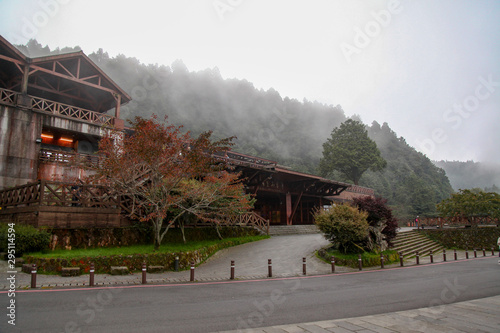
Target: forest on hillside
{"type": "Point", "coordinates": [268, 125]}
{"type": "Point", "coordinates": [470, 174]}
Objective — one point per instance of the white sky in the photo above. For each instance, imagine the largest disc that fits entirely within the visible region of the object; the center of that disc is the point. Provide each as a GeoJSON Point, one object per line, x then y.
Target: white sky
{"type": "Point", "coordinates": [408, 68]}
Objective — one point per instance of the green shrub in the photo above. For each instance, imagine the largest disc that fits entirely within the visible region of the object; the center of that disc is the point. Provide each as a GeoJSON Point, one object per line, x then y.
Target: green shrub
{"type": "Point", "coordinates": [345, 226]}
{"type": "Point", "coordinates": [466, 238]}
{"type": "Point", "coordinates": [27, 239]}
{"type": "Point", "coordinates": [368, 259]}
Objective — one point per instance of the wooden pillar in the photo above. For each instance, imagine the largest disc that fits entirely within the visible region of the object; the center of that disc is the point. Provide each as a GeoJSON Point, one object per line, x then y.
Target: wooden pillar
{"type": "Point", "coordinates": [24, 83]}
{"type": "Point", "coordinates": [118, 99]}
{"type": "Point", "coordinates": [288, 208]}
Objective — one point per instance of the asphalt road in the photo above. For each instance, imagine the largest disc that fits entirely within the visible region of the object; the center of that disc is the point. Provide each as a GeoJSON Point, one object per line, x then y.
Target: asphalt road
{"type": "Point", "coordinates": [217, 306]}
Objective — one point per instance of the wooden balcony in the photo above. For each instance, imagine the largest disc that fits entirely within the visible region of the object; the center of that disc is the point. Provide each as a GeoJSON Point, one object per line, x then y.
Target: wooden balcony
{"type": "Point", "coordinates": [57, 156]}
{"type": "Point", "coordinates": [12, 98]}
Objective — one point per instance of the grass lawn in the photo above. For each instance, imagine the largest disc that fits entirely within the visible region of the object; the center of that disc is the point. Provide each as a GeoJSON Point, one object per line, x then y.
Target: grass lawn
{"type": "Point", "coordinates": [141, 249]}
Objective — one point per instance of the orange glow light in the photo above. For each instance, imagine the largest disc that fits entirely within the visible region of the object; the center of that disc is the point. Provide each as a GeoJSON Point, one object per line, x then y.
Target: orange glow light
{"type": "Point", "coordinates": [66, 139]}
{"type": "Point", "coordinates": [47, 136]}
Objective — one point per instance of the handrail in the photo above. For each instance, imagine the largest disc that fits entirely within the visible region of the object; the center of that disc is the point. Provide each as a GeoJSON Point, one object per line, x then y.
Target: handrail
{"type": "Point", "coordinates": [59, 156]}
{"type": "Point", "coordinates": [62, 194]}
{"type": "Point", "coordinates": [9, 97]}
{"type": "Point", "coordinates": [454, 221]}
{"type": "Point", "coordinates": [66, 110]}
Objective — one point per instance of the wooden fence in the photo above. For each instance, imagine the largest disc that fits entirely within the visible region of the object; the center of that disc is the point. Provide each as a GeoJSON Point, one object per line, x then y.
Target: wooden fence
{"type": "Point", "coordinates": [455, 221]}
{"type": "Point", "coordinates": [59, 194]}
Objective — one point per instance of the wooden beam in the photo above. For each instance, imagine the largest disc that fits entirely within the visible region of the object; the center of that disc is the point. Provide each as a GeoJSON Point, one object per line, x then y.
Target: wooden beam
{"type": "Point", "coordinates": [48, 71]}
{"type": "Point", "coordinates": [15, 61]}
{"type": "Point", "coordinates": [65, 69]}
{"type": "Point", "coordinates": [296, 205]}
{"type": "Point", "coordinates": [78, 68]}
{"type": "Point", "coordinates": [24, 83]}
{"type": "Point", "coordinates": [118, 99]}
{"type": "Point", "coordinates": [288, 203]}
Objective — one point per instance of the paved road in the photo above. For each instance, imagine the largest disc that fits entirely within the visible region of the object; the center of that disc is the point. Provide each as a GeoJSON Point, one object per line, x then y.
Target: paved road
{"type": "Point", "coordinates": [219, 306]}
{"type": "Point", "coordinates": [286, 253]}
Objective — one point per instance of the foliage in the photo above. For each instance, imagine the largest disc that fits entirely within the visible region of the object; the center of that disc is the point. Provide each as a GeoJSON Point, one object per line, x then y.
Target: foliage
{"type": "Point", "coordinates": [472, 174]}
{"type": "Point", "coordinates": [468, 238]}
{"type": "Point", "coordinates": [378, 213]}
{"type": "Point", "coordinates": [469, 203]}
{"type": "Point", "coordinates": [27, 239]}
{"type": "Point", "coordinates": [134, 256]}
{"type": "Point", "coordinates": [368, 259]}
{"type": "Point", "coordinates": [411, 183]}
{"type": "Point", "coordinates": [168, 174]}
{"type": "Point", "coordinates": [350, 151]}
{"type": "Point", "coordinates": [345, 226]}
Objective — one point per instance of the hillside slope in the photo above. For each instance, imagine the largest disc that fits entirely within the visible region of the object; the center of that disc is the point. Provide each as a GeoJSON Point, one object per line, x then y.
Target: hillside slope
{"type": "Point", "coordinates": [286, 130]}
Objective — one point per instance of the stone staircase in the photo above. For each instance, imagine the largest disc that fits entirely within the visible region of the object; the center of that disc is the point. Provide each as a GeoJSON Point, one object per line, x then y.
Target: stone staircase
{"type": "Point", "coordinates": [410, 242]}
{"type": "Point", "coordinates": [281, 230]}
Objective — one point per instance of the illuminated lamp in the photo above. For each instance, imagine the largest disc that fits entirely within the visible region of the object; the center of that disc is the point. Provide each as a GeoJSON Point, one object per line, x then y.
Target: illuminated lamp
{"type": "Point", "coordinates": [47, 136]}
{"type": "Point", "coordinates": [66, 139]}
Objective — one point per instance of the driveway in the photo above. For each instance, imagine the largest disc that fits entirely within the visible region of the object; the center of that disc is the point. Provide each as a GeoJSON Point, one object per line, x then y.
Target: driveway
{"type": "Point", "coordinates": [286, 253]}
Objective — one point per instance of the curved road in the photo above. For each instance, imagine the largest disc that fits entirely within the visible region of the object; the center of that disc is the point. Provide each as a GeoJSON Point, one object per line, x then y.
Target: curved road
{"type": "Point", "coordinates": [218, 306]}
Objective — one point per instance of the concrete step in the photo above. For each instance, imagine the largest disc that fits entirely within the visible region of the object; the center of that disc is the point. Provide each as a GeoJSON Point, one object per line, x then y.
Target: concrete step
{"type": "Point", "coordinates": [279, 230]}
{"type": "Point", "coordinates": [410, 242]}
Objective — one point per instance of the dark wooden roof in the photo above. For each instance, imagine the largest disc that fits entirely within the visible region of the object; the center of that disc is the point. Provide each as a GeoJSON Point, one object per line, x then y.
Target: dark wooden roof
{"type": "Point", "coordinates": [70, 78]}
{"type": "Point", "coordinates": [266, 175]}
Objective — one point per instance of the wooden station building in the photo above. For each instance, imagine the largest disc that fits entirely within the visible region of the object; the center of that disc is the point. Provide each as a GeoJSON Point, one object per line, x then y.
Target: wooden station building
{"type": "Point", "coordinates": [55, 109]}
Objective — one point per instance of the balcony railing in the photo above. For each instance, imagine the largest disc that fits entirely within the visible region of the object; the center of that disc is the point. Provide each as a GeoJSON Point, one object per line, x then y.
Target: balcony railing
{"type": "Point", "coordinates": [9, 97]}
{"type": "Point", "coordinates": [49, 193]}
{"type": "Point", "coordinates": [57, 156]}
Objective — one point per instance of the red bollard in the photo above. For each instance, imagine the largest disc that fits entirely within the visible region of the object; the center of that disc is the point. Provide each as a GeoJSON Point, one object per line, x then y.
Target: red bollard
{"type": "Point", "coordinates": [401, 258]}
{"type": "Point", "coordinates": [484, 252]}
{"type": "Point", "coordinates": [232, 270]}
{"type": "Point", "coordinates": [304, 266]}
{"type": "Point", "coordinates": [381, 261]}
{"type": "Point", "coordinates": [360, 262]}
{"type": "Point", "coordinates": [418, 258]}
{"type": "Point", "coordinates": [475, 253]}
{"type": "Point", "coordinates": [455, 254]}
{"type": "Point", "coordinates": [431, 256]}
{"type": "Point", "coordinates": [444, 255]}
{"type": "Point", "coordinates": [466, 254]}
{"type": "Point", "coordinates": [269, 268]}
{"type": "Point", "coordinates": [492, 251]}
{"type": "Point", "coordinates": [333, 264]}
{"type": "Point", "coordinates": [33, 276]}
{"type": "Point", "coordinates": [191, 278]}
{"type": "Point", "coordinates": [91, 276]}
{"type": "Point", "coordinates": [143, 273]}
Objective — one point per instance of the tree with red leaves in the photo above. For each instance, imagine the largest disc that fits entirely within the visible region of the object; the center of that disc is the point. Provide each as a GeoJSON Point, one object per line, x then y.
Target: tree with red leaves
{"type": "Point", "coordinates": [167, 175]}
{"type": "Point", "coordinates": [379, 215]}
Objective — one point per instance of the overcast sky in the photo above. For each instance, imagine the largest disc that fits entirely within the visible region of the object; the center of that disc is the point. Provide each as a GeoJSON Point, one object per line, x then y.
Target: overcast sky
{"type": "Point", "coordinates": [429, 68]}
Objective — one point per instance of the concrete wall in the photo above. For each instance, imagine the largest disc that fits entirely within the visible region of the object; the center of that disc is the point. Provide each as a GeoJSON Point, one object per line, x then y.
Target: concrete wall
{"type": "Point", "coordinates": [18, 150]}
{"type": "Point", "coordinates": [19, 153]}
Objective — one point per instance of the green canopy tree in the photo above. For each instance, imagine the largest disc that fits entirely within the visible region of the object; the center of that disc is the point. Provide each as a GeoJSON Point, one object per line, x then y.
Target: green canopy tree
{"type": "Point", "coordinates": [469, 203]}
{"type": "Point", "coordinates": [350, 151]}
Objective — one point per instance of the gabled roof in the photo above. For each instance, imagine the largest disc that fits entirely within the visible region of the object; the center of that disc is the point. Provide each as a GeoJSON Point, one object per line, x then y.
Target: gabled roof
{"type": "Point", "coordinates": [70, 78]}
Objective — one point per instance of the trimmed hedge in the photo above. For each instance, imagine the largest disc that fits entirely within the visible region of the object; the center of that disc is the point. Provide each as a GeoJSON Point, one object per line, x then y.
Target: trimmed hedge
{"type": "Point", "coordinates": [368, 259]}
{"type": "Point", "coordinates": [27, 239]}
{"type": "Point", "coordinates": [133, 262]}
{"type": "Point", "coordinates": [466, 238]}
{"type": "Point", "coordinates": [140, 233]}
